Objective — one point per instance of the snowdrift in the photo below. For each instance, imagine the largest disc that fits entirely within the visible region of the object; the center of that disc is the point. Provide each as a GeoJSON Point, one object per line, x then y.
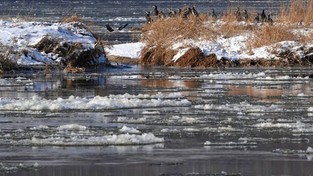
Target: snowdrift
{"type": "Point", "coordinates": [70, 45]}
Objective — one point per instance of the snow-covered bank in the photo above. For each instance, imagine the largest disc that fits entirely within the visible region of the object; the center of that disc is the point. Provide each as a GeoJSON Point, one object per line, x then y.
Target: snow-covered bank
{"type": "Point", "coordinates": [38, 43]}
{"type": "Point", "coordinates": [233, 49]}
{"type": "Point", "coordinates": [131, 50]}
{"type": "Point", "coordinates": [218, 43]}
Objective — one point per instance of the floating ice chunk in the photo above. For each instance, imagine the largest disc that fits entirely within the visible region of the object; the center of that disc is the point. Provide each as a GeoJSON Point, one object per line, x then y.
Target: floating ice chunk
{"type": "Point", "coordinates": [167, 130]}
{"type": "Point", "coordinates": [207, 143]}
{"type": "Point", "coordinates": [309, 150]}
{"type": "Point", "coordinates": [72, 140]}
{"type": "Point", "coordinates": [131, 130]}
{"type": "Point", "coordinates": [301, 95]}
{"type": "Point", "coordinates": [77, 103]}
{"type": "Point", "coordinates": [239, 143]}
{"type": "Point", "coordinates": [40, 127]}
{"type": "Point", "coordinates": [191, 129]}
{"type": "Point", "coordinates": [72, 127]}
{"type": "Point", "coordinates": [298, 125]}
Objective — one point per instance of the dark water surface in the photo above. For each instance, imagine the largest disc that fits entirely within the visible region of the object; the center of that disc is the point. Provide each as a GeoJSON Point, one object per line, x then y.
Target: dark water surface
{"type": "Point", "coordinates": [259, 122]}
{"type": "Point", "coordinates": [98, 13]}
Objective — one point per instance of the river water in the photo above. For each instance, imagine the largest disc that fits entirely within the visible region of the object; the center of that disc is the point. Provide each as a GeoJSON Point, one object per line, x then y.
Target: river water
{"type": "Point", "coordinates": [186, 121]}
{"type": "Point", "coordinates": [235, 121]}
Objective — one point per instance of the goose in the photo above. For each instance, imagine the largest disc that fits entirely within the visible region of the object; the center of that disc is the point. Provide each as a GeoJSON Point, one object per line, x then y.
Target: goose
{"type": "Point", "coordinates": [171, 13]}
{"type": "Point", "coordinates": [238, 14]}
{"type": "Point", "coordinates": [156, 11]}
{"type": "Point", "coordinates": [194, 11]}
{"type": "Point", "coordinates": [245, 15]}
{"type": "Point", "coordinates": [109, 28]}
{"type": "Point", "coordinates": [148, 17]}
{"type": "Point", "coordinates": [269, 19]}
{"type": "Point", "coordinates": [214, 14]}
{"type": "Point", "coordinates": [123, 26]}
{"type": "Point", "coordinates": [257, 18]}
{"type": "Point", "coordinates": [263, 16]}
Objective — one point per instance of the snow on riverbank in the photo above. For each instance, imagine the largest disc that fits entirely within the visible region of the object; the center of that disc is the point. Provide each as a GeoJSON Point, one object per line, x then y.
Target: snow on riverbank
{"type": "Point", "coordinates": [131, 50]}
{"type": "Point", "coordinates": [20, 41]}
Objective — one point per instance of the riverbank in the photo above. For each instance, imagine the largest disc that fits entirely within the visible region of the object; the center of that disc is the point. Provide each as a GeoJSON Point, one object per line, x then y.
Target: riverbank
{"type": "Point", "coordinates": [238, 38]}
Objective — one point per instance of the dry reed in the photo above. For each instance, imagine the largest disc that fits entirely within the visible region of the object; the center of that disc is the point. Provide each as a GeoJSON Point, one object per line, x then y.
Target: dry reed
{"type": "Point", "coordinates": [270, 34]}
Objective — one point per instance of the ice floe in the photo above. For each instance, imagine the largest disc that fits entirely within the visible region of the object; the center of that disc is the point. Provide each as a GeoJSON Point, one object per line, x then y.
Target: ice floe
{"type": "Point", "coordinates": [37, 103]}
{"type": "Point", "coordinates": [78, 135]}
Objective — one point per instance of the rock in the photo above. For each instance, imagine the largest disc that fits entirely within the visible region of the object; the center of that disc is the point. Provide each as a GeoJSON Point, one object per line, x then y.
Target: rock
{"type": "Point", "coordinates": [73, 54]}
{"type": "Point", "coordinates": [156, 56]}
{"type": "Point", "coordinates": [207, 61]}
{"type": "Point", "coordinates": [190, 58]}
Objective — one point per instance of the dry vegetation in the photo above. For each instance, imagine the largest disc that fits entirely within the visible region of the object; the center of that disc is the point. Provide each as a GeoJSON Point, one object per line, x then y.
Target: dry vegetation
{"type": "Point", "coordinates": [160, 35]}
{"type": "Point", "coordinates": [298, 11]}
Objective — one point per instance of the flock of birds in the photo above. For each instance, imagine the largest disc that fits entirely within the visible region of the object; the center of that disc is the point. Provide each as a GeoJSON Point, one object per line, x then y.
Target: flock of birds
{"type": "Point", "coordinates": [191, 11]}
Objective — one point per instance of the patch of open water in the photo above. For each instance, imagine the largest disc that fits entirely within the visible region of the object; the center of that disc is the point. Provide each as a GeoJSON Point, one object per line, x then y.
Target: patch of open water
{"type": "Point", "coordinates": [187, 122]}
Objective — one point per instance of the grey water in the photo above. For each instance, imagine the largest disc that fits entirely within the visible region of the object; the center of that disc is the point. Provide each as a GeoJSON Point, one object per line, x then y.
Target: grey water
{"type": "Point", "coordinates": [241, 103]}
{"type": "Point", "coordinates": [259, 121]}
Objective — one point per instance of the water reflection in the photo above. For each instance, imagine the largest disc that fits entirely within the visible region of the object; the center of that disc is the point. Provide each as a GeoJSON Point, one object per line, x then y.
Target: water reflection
{"type": "Point", "coordinates": [272, 111]}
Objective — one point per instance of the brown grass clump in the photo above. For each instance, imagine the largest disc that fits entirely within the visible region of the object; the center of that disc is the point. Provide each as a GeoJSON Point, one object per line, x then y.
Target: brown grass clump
{"type": "Point", "coordinates": [232, 29]}
{"type": "Point", "coordinates": [156, 55]}
{"type": "Point", "coordinates": [160, 34]}
{"type": "Point", "coordinates": [175, 28]}
{"type": "Point", "coordinates": [297, 11]}
{"type": "Point", "coordinates": [72, 69]}
{"type": "Point", "coordinates": [293, 12]}
{"type": "Point", "coordinates": [308, 17]}
{"type": "Point", "coordinates": [70, 19]}
{"type": "Point", "coordinates": [270, 34]}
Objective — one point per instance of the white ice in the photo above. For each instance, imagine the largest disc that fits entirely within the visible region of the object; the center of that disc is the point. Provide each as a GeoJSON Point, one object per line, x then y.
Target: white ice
{"type": "Point", "coordinates": [37, 103]}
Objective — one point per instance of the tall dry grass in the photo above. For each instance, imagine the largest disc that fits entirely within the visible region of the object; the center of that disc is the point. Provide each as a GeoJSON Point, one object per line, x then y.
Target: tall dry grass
{"type": "Point", "coordinates": [161, 34]}
{"type": "Point", "coordinates": [270, 34]}
{"type": "Point", "coordinates": [165, 31]}
{"type": "Point", "coordinates": [298, 11]}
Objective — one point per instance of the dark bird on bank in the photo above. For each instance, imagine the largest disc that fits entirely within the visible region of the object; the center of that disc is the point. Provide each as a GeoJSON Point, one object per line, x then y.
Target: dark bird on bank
{"type": "Point", "coordinates": [194, 11]}
{"type": "Point", "coordinates": [238, 14]}
{"type": "Point", "coordinates": [179, 11]}
{"type": "Point", "coordinates": [269, 19]}
{"type": "Point", "coordinates": [161, 14]}
{"type": "Point", "coordinates": [171, 13]}
{"type": "Point", "coordinates": [263, 16]}
{"type": "Point", "coordinates": [257, 18]}
{"type": "Point", "coordinates": [213, 14]}
{"type": "Point", "coordinates": [186, 12]}
{"type": "Point", "coordinates": [123, 26]}
{"type": "Point", "coordinates": [109, 28]}
{"type": "Point", "coordinates": [148, 17]}
{"type": "Point", "coordinates": [245, 15]}
{"type": "Point", "coordinates": [155, 10]}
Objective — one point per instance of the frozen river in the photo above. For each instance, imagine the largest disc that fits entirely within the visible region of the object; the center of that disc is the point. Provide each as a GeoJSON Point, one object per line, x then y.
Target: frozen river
{"type": "Point", "coordinates": [154, 121]}
{"type": "Point", "coordinates": [137, 121]}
